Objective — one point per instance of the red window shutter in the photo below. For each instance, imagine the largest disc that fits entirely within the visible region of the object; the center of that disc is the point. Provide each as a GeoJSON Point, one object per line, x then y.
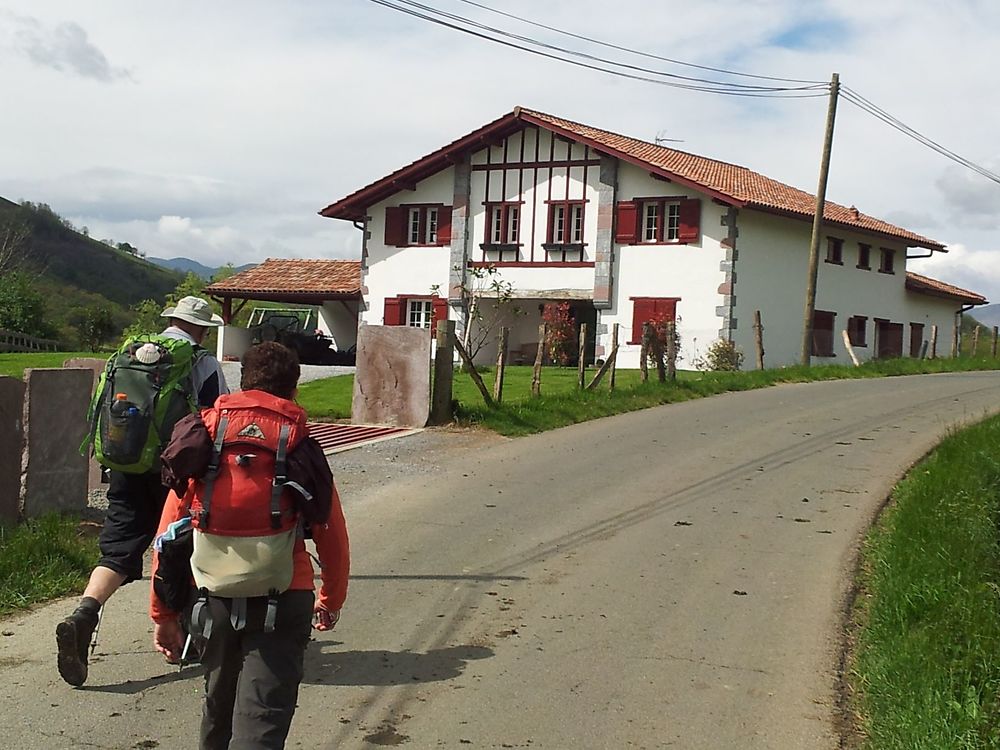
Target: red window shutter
{"type": "Point", "coordinates": [395, 226]}
{"type": "Point", "coordinates": [627, 222]}
{"type": "Point", "coordinates": [690, 220]}
{"type": "Point", "coordinates": [394, 311]}
{"type": "Point", "coordinates": [643, 310]}
{"type": "Point", "coordinates": [439, 311]}
{"type": "Point", "coordinates": [666, 308]}
{"type": "Point", "coordinates": [444, 225]}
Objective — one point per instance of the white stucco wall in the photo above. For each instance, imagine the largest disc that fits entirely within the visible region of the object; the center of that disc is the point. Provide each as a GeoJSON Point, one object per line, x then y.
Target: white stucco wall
{"type": "Point", "coordinates": [391, 271]}
{"type": "Point", "coordinates": [771, 277]}
{"type": "Point", "coordinates": [690, 272]}
{"type": "Point", "coordinates": [339, 320]}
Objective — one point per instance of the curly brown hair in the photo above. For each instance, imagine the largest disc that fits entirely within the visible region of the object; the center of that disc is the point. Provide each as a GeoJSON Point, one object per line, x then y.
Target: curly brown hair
{"type": "Point", "coordinates": [270, 367]}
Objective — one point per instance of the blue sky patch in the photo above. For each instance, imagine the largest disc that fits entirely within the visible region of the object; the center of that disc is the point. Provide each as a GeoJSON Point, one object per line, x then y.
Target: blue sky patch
{"type": "Point", "coordinates": [813, 35]}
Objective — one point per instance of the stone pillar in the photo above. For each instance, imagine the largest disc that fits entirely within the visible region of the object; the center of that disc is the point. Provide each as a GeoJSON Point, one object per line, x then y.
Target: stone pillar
{"type": "Point", "coordinates": [604, 250]}
{"type": "Point", "coordinates": [727, 310]}
{"type": "Point", "coordinates": [458, 261]}
{"type": "Point", "coordinates": [392, 382]}
{"type": "Point", "coordinates": [11, 447]}
{"type": "Point", "coordinates": [96, 366]}
{"type": "Point", "coordinates": [55, 423]}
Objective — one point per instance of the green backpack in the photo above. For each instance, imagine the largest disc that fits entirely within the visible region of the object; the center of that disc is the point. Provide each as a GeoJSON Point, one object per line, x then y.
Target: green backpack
{"type": "Point", "coordinates": [144, 391]}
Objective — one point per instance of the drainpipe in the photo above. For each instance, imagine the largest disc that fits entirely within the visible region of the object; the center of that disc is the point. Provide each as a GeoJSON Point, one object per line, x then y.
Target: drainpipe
{"type": "Point", "coordinates": [930, 253]}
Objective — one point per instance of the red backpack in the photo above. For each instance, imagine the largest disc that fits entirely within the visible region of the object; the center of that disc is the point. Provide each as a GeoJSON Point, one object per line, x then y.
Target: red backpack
{"type": "Point", "coordinates": [243, 510]}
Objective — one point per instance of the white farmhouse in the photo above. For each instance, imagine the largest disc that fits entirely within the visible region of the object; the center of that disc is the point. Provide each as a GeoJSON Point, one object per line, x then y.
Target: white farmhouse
{"type": "Point", "coordinates": [626, 231]}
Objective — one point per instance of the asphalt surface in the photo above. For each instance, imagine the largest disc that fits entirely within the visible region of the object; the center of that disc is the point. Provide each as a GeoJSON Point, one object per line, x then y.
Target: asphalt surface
{"type": "Point", "coordinates": [669, 578]}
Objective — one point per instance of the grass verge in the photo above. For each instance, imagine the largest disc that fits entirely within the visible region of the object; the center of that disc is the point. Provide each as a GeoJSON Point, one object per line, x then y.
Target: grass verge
{"type": "Point", "coordinates": [925, 671]}
{"type": "Point", "coordinates": [14, 364]}
{"type": "Point", "coordinates": [43, 559]}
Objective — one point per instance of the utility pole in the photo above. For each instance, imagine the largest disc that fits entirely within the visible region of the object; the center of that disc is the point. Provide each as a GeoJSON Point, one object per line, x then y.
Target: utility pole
{"type": "Point", "coordinates": [817, 229]}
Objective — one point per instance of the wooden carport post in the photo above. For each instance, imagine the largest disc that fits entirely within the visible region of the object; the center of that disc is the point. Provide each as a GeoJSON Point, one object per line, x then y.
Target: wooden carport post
{"type": "Point", "coordinates": [444, 373]}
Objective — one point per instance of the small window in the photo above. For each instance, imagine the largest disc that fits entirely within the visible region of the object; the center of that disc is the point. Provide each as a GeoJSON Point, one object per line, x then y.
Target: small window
{"type": "Point", "coordinates": [419, 313]}
{"type": "Point", "coordinates": [864, 257]}
{"type": "Point", "coordinates": [566, 223]}
{"type": "Point", "coordinates": [857, 330]}
{"type": "Point", "coordinates": [422, 226]}
{"type": "Point", "coordinates": [504, 223]}
{"type": "Point", "coordinates": [822, 338]}
{"type": "Point", "coordinates": [661, 221]}
{"type": "Point", "coordinates": [835, 250]}
{"type": "Point", "coordinates": [887, 262]}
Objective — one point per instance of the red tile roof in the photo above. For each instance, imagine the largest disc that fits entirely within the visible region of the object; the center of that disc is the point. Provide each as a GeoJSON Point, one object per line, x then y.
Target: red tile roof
{"type": "Point", "coordinates": [730, 183]}
{"type": "Point", "coordinates": [291, 278]}
{"type": "Point", "coordinates": [926, 285]}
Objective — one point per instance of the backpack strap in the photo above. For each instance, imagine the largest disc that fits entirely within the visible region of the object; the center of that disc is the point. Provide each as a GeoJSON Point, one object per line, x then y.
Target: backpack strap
{"type": "Point", "coordinates": [201, 616]}
{"type": "Point", "coordinates": [238, 613]}
{"type": "Point", "coordinates": [280, 475]}
{"type": "Point", "coordinates": [271, 615]}
{"type": "Point", "coordinates": [213, 471]}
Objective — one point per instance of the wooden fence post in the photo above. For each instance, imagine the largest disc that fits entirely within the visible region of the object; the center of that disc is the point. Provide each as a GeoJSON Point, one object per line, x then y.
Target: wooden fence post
{"type": "Point", "coordinates": [501, 365]}
{"type": "Point", "coordinates": [614, 358]}
{"type": "Point", "coordinates": [581, 358]}
{"type": "Point", "coordinates": [993, 347]}
{"type": "Point", "coordinates": [758, 337]}
{"type": "Point", "coordinates": [444, 373]}
{"type": "Point", "coordinates": [644, 354]}
{"type": "Point", "coordinates": [671, 352]}
{"type": "Point", "coordinates": [934, 341]}
{"type": "Point", "coordinates": [536, 374]}
{"type": "Point", "coordinates": [658, 353]}
{"type": "Point", "coordinates": [956, 341]}
{"type": "Point", "coordinates": [975, 341]}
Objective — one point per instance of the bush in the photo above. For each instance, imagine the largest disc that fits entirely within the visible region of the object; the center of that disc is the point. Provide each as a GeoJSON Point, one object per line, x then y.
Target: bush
{"type": "Point", "coordinates": [722, 356]}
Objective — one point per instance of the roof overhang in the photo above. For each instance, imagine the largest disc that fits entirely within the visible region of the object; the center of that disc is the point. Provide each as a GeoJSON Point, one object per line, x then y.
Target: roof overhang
{"type": "Point", "coordinates": [934, 288]}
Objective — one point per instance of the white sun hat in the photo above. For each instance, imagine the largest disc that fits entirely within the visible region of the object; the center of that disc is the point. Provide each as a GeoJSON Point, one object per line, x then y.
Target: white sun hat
{"type": "Point", "coordinates": [194, 310]}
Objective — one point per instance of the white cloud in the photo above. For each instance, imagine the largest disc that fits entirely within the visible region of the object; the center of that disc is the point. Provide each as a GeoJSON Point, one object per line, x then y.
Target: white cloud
{"type": "Point", "coordinates": [64, 47]}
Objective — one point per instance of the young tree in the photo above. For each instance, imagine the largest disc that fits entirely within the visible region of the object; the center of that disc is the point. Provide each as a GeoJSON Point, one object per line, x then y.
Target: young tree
{"type": "Point", "coordinates": [95, 324]}
{"type": "Point", "coordinates": [14, 244]}
{"type": "Point", "coordinates": [487, 301]}
{"type": "Point", "coordinates": [22, 308]}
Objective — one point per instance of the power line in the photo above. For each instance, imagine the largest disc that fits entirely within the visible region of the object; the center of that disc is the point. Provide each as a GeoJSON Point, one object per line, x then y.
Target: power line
{"type": "Point", "coordinates": [649, 55]}
{"type": "Point", "coordinates": [681, 82]}
{"type": "Point", "coordinates": [874, 110]}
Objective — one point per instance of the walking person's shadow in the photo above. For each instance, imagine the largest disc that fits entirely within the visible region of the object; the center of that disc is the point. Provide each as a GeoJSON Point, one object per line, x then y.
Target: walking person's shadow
{"type": "Point", "coordinates": [328, 667]}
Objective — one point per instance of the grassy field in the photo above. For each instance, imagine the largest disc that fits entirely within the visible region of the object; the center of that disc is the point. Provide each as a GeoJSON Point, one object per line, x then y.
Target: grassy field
{"type": "Point", "coordinates": [13, 364]}
{"type": "Point", "coordinates": [926, 671]}
{"type": "Point", "coordinates": [44, 559]}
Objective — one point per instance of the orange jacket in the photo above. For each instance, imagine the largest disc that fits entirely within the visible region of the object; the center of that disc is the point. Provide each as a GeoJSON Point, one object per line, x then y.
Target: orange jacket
{"type": "Point", "coordinates": [332, 547]}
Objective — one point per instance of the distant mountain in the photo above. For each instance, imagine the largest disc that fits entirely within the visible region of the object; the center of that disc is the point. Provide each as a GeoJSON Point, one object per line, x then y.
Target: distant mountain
{"type": "Point", "coordinates": [988, 315]}
{"type": "Point", "coordinates": [186, 266]}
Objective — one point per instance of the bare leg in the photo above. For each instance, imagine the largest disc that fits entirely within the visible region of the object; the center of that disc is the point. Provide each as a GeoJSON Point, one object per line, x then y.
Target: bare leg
{"type": "Point", "coordinates": [103, 583]}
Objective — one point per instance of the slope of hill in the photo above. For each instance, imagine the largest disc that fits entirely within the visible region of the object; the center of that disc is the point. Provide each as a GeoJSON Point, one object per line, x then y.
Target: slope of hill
{"type": "Point", "coordinates": [186, 265]}
{"type": "Point", "coordinates": [988, 315]}
{"type": "Point", "coordinates": [73, 271]}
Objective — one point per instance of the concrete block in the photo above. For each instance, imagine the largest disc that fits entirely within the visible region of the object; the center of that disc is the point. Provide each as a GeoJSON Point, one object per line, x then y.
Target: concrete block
{"type": "Point", "coordinates": [55, 423]}
{"type": "Point", "coordinates": [392, 384]}
{"type": "Point", "coordinates": [11, 447]}
{"type": "Point", "coordinates": [96, 366]}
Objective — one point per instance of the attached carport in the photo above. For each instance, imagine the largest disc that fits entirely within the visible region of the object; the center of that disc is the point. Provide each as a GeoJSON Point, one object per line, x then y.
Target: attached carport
{"type": "Point", "coordinates": [333, 286]}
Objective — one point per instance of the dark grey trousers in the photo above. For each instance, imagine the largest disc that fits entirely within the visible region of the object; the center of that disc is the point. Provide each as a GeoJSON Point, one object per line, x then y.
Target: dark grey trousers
{"type": "Point", "coordinates": [252, 677]}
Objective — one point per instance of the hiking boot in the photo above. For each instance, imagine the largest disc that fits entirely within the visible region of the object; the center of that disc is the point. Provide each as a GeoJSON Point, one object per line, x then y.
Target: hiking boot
{"type": "Point", "coordinates": [73, 639]}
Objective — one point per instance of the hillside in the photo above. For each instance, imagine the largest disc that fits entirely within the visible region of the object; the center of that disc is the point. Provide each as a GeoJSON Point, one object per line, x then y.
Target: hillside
{"type": "Point", "coordinates": [988, 315]}
{"type": "Point", "coordinates": [73, 271]}
{"type": "Point", "coordinates": [187, 265]}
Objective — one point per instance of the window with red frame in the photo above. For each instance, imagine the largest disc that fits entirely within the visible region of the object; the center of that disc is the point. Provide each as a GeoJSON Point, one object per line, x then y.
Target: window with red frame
{"type": "Point", "coordinates": [857, 330]}
{"type": "Point", "coordinates": [416, 311]}
{"type": "Point", "coordinates": [566, 223]}
{"type": "Point", "coordinates": [417, 225]}
{"type": "Point", "coordinates": [661, 221]}
{"type": "Point", "coordinates": [822, 339]}
{"type": "Point", "coordinates": [674, 221]}
{"type": "Point", "coordinates": [888, 259]}
{"type": "Point", "coordinates": [647, 309]}
{"type": "Point", "coordinates": [504, 226]}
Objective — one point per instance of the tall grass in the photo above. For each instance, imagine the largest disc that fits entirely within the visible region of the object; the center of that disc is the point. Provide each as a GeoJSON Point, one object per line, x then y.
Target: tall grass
{"type": "Point", "coordinates": [927, 666]}
{"type": "Point", "coordinates": [43, 559]}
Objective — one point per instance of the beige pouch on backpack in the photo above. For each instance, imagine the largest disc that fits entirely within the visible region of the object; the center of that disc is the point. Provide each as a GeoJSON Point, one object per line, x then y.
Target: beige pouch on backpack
{"type": "Point", "coordinates": [243, 566]}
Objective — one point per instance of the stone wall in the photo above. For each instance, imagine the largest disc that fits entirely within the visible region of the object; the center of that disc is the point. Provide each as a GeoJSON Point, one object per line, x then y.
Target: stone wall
{"type": "Point", "coordinates": [392, 384]}
{"type": "Point", "coordinates": [11, 447]}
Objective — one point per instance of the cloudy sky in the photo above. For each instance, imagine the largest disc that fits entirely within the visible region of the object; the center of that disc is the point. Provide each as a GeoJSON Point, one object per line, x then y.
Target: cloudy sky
{"type": "Point", "coordinates": [217, 130]}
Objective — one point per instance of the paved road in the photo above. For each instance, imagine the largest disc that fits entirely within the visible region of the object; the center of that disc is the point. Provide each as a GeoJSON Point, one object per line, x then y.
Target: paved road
{"type": "Point", "coordinates": [669, 578]}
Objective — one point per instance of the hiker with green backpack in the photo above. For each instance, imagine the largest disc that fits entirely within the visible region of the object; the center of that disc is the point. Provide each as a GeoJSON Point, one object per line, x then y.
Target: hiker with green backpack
{"type": "Point", "coordinates": [148, 385]}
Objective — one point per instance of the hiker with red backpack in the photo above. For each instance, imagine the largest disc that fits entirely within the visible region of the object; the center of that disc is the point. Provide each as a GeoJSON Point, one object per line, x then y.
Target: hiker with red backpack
{"type": "Point", "coordinates": [147, 386]}
{"type": "Point", "coordinates": [247, 486]}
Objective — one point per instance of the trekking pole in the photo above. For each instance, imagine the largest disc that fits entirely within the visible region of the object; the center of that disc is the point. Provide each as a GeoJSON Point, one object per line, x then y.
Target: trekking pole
{"type": "Point", "coordinates": [97, 628]}
{"type": "Point", "coordinates": [184, 653]}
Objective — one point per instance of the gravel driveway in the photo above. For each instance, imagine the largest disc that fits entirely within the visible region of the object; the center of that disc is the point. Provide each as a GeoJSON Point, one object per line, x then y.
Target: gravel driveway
{"type": "Point", "coordinates": [308, 372]}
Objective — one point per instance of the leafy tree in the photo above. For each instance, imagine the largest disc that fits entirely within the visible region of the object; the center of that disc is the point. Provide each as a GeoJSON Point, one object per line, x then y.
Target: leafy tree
{"type": "Point", "coordinates": [95, 325]}
{"type": "Point", "coordinates": [560, 334]}
{"type": "Point", "coordinates": [22, 308]}
{"type": "Point", "coordinates": [147, 318]}
{"type": "Point", "coordinates": [14, 245]}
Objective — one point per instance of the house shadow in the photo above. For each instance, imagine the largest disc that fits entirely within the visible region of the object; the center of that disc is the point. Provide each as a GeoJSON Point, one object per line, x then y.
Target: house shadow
{"type": "Point", "coordinates": [324, 666]}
